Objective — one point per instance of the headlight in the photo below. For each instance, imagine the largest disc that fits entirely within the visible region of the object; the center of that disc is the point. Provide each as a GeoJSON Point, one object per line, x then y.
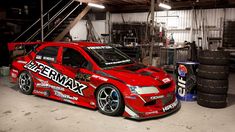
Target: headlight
{"type": "Point", "coordinates": [143, 90]}
{"type": "Point", "coordinates": [133, 88]}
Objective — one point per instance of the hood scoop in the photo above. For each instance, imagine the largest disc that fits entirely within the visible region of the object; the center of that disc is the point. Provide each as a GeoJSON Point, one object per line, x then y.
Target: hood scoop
{"type": "Point", "coordinates": [135, 67]}
{"type": "Point", "coordinates": [146, 73]}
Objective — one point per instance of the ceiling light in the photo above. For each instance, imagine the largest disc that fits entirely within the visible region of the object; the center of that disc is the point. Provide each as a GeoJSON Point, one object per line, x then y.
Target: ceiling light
{"type": "Point", "coordinates": [165, 6]}
{"type": "Point", "coordinates": [96, 5]}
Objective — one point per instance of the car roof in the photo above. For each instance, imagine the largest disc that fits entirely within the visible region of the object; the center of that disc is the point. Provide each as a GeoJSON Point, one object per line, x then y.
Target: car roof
{"type": "Point", "coordinates": [80, 44]}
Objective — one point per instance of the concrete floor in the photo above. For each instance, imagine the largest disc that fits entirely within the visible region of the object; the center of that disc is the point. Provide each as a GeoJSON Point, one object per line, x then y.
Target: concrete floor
{"type": "Point", "coordinates": [22, 113]}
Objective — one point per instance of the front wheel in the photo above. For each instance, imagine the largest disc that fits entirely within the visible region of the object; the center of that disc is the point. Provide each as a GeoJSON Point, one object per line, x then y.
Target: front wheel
{"type": "Point", "coordinates": [109, 100]}
{"type": "Point", "coordinates": [25, 83]}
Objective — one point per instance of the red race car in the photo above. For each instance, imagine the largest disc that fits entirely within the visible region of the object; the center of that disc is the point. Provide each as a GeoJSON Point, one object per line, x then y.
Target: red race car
{"type": "Point", "coordinates": [95, 76]}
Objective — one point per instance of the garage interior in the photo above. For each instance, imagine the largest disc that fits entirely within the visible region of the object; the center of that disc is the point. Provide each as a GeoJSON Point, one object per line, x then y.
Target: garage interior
{"type": "Point", "coordinates": [196, 33]}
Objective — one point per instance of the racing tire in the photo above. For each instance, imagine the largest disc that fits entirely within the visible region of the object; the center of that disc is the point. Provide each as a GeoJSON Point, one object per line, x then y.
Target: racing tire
{"type": "Point", "coordinates": [213, 57]}
{"type": "Point", "coordinates": [212, 86]}
{"type": "Point", "coordinates": [109, 100]}
{"type": "Point", "coordinates": [25, 83]}
{"type": "Point", "coordinates": [213, 72]}
{"type": "Point", "coordinates": [212, 100]}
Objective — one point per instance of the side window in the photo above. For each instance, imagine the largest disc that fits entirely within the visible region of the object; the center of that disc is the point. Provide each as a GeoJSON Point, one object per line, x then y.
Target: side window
{"type": "Point", "coordinates": [48, 54]}
{"type": "Point", "coordinates": [72, 57]}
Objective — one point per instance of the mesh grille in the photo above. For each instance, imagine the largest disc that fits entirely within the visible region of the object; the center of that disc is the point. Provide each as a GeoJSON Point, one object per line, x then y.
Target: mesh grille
{"type": "Point", "coordinates": [166, 100]}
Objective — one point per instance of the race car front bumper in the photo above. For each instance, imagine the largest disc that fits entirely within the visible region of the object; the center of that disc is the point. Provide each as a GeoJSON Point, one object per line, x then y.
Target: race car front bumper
{"type": "Point", "coordinates": [140, 111]}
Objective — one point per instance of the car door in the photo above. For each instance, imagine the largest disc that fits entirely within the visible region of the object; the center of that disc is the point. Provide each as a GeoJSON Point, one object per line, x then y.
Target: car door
{"type": "Point", "coordinates": [41, 67]}
{"type": "Point", "coordinates": [79, 69]}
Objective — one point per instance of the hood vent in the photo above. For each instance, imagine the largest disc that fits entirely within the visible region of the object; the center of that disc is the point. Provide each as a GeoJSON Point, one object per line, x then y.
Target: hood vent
{"type": "Point", "coordinates": [135, 67]}
{"type": "Point", "coordinates": [145, 73]}
{"type": "Point", "coordinates": [165, 86]}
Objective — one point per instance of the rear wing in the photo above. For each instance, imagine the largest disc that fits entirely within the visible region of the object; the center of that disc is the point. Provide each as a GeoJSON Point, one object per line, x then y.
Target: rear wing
{"type": "Point", "coordinates": [19, 45]}
{"type": "Point", "coordinates": [22, 48]}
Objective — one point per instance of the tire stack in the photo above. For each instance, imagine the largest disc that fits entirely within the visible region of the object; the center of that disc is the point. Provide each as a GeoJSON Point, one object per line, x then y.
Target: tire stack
{"type": "Point", "coordinates": [228, 34]}
{"type": "Point", "coordinates": [212, 79]}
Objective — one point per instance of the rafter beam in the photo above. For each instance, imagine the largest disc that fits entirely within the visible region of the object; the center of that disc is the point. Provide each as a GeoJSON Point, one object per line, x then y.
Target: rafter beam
{"type": "Point", "coordinates": [70, 26]}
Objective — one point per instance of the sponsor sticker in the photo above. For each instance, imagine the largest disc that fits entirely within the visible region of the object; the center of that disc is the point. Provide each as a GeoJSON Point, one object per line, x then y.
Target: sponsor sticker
{"type": "Point", "coordinates": [166, 80]}
{"type": "Point", "coordinates": [45, 84]}
{"type": "Point", "coordinates": [55, 76]}
{"type": "Point", "coordinates": [65, 96]}
{"type": "Point", "coordinates": [13, 75]}
{"type": "Point", "coordinates": [44, 93]}
{"type": "Point", "coordinates": [156, 97]}
{"type": "Point", "coordinates": [117, 62]}
{"type": "Point", "coordinates": [100, 47]}
{"type": "Point", "coordinates": [152, 112]}
{"type": "Point", "coordinates": [182, 70]}
{"type": "Point", "coordinates": [99, 77]}
{"type": "Point", "coordinates": [170, 107]}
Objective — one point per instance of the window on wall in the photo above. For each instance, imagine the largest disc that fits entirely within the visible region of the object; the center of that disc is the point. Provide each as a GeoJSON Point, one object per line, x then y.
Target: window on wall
{"type": "Point", "coordinates": [72, 57]}
{"type": "Point", "coordinates": [48, 54]}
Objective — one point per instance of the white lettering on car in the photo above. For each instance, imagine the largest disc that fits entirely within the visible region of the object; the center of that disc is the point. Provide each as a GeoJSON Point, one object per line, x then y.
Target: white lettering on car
{"type": "Point", "coordinates": [99, 77]}
{"type": "Point", "coordinates": [170, 107]}
{"type": "Point", "coordinates": [55, 76]}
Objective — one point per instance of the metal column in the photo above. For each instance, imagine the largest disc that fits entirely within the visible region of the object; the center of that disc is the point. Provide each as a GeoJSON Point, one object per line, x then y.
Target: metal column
{"type": "Point", "coordinates": [152, 32]}
{"type": "Point", "coordinates": [42, 31]}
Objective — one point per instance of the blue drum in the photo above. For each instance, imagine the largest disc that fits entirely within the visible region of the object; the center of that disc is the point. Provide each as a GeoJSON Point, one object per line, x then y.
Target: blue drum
{"type": "Point", "coordinates": [186, 80]}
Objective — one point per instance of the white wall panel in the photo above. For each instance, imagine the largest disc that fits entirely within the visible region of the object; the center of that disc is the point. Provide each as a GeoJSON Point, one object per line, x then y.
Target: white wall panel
{"type": "Point", "coordinates": [230, 14]}
{"type": "Point", "coordinates": [79, 31]}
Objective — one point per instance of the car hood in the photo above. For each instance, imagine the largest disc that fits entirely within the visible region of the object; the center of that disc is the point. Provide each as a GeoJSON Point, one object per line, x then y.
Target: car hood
{"type": "Point", "coordinates": [140, 75]}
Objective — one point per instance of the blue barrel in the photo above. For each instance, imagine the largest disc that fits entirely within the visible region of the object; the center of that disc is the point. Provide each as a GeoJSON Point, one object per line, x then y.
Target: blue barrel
{"type": "Point", "coordinates": [186, 81]}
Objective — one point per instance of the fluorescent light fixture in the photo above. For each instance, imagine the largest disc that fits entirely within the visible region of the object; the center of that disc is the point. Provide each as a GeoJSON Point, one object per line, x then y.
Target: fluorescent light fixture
{"type": "Point", "coordinates": [96, 5]}
{"type": "Point", "coordinates": [165, 6]}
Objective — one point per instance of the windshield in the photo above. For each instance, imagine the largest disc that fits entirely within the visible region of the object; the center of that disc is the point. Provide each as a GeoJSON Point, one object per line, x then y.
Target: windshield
{"type": "Point", "coordinates": [107, 56]}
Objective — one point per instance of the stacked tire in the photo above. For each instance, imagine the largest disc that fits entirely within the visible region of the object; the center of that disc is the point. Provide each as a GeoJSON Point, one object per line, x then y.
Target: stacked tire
{"type": "Point", "coordinates": [212, 79]}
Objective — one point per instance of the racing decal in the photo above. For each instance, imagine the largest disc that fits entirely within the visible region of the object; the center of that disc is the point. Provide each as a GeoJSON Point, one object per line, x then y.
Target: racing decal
{"type": "Point", "coordinates": [55, 76]}
{"type": "Point", "coordinates": [92, 85]}
{"type": "Point", "coordinates": [130, 97]}
{"type": "Point", "coordinates": [131, 113]}
{"type": "Point", "coordinates": [22, 62]}
{"type": "Point", "coordinates": [64, 96]}
{"type": "Point", "coordinates": [39, 57]}
{"type": "Point", "coordinates": [48, 58]}
{"type": "Point", "coordinates": [16, 71]}
{"type": "Point", "coordinates": [99, 77]}
{"type": "Point", "coordinates": [156, 97]}
{"type": "Point", "coordinates": [171, 106]}
{"type": "Point", "coordinates": [117, 62]}
{"type": "Point", "coordinates": [166, 80]}
{"type": "Point", "coordinates": [100, 47]}
{"type": "Point", "coordinates": [45, 84]}
{"type": "Point", "coordinates": [83, 77]}
{"type": "Point", "coordinates": [151, 113]}
{"type": "Point", "coordinates": [13, 75]}
{"type": "Point", "coordinates": [44, 93]}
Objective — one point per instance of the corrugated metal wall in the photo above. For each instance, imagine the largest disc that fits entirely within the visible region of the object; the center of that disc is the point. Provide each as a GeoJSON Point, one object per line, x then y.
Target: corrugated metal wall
{"type": "Point", "coordinates": [180, 22]}
{"type": "Point", "coordinates": [177, 22]}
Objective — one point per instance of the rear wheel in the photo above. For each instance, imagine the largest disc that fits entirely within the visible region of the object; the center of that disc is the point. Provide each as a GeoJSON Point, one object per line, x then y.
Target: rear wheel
{"type": "Point", "coordinates": [25, 83]}
{"type": "Point", "coordinates": [109, 100]}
